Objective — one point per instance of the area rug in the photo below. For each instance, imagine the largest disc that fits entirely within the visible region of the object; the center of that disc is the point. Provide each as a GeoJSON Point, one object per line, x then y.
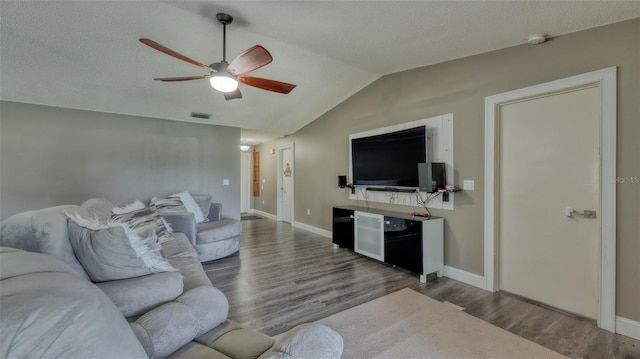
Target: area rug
{"type": "Point", "coordinates": [250, 218]}
{"type": "Point", "coordinates": [407, 324]}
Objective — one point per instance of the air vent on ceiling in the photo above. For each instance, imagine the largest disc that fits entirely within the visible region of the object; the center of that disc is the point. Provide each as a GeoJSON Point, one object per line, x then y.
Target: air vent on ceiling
{"type": "Point", "coordinates": [200, 115]}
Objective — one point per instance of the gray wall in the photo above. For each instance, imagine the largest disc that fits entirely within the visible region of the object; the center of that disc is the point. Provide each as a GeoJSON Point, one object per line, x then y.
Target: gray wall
{"type": "Point", "coordinates": [51, 156]}
{"type": "Point", "coordinates": [460, 87]}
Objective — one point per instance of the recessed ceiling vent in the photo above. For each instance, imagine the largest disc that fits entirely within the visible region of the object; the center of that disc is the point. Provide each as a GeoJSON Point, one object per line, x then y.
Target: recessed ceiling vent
{"type": "Point", "coordinates": [202, 115]}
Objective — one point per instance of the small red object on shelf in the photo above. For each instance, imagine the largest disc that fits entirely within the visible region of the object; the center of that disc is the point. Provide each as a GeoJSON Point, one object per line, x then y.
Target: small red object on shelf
{"type": "Point", "coordinates": [425, 215]}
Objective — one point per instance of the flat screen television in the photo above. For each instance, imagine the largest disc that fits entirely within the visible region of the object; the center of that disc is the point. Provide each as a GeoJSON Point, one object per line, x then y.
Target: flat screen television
{"type": "Point", "coordinates": [389, 159]}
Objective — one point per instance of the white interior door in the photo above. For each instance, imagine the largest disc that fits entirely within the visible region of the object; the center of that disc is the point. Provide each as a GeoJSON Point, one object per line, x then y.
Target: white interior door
{"type": "Point", "coordinates": [245, 182]}
{"type": "Point", "coordinates": [549, 160]}
{"type": "Point", "coordinates": [286, 173]}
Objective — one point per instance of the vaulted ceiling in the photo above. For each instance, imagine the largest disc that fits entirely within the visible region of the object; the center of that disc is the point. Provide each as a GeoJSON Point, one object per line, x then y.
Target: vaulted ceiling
{"type": "Point", "coordinates": [86, 54]}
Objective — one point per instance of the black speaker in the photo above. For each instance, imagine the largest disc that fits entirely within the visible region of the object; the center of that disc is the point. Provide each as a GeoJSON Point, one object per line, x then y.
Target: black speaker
{"type": "Point", "coordinates": [342, 181]}
{"type": "Point", "coordinates": [431, 176]}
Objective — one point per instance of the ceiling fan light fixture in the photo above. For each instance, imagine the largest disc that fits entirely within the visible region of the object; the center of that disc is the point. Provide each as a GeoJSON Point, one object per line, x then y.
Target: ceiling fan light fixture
{"type": "Point", "coordinates": [221, 79]}
{"type": "Point", "coordinates": [223, 82]}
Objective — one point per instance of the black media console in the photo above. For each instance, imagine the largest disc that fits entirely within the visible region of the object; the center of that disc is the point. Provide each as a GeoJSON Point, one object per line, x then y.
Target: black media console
{"type": "Point", "coordinates": [403, 240]}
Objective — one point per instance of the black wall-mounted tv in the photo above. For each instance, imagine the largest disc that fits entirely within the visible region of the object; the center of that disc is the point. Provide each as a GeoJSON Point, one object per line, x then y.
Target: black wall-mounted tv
{"type": "Point", "coordinates": [389, 159]}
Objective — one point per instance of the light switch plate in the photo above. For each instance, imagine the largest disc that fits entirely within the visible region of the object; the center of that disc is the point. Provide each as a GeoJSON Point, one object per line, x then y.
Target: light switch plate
{"type": "Point", "coordinates": [225, 182]}
{"type": "Point", "coordinates": [468, 185]}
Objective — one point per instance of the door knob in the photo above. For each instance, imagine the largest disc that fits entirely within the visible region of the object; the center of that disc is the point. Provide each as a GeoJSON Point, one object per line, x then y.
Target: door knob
{"type": "Point", "coordinates": [569, 212]}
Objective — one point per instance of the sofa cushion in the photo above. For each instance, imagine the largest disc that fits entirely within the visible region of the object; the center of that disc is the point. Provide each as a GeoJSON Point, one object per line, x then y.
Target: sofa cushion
{"type": "Point", "coordinates": [136, 296]}
{"type": "Point", "coordinates": [193, 350]}
{"type": "Point", "coordinates": [15, 262]}
{"type": "Point", "coordinates": [43, 231]}
{"type": "Point", "coordinates": [53, 313]}
{"type": "Point", "coordinates": [165, 329]}
{"type": "Point", "coordinates": [218, 230]}
{"type": "Point", "coordinates": [146, 218]}
{"type": "Point", "coordinates": [225, 339]}
{"type": "Point", "coordinates": [114, 252]}
{"type": "Point", "coordinates": [182, 256]}
{"type": "Point", "coordinates": [99, 208]}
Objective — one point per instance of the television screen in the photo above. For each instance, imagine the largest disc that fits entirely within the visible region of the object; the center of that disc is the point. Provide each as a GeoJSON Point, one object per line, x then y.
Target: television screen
{"type": "Point", "coordinates": [389, 159]}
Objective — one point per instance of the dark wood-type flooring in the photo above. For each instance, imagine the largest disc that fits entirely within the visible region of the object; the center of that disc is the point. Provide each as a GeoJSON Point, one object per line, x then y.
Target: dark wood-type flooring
{"type": "Point", "coordinates": [285, 276]}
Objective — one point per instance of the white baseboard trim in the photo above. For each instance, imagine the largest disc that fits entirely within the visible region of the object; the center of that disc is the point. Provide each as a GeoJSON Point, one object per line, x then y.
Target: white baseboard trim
{"type": "Point", "coordinates": [306, 227]}
{"type": "Point", "coordinates": [464, 277]}
{"type": "Point", "coordinates": [628, 327]}
{"type": "Point", "coordinates": [312, 229]}
{"type": "Point", "coordinates": [265, 214]}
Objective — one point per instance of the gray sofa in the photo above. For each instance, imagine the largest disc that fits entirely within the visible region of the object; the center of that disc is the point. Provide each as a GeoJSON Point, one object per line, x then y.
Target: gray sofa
{"type": "Point", "coordinates": [50, 308]}
{"type": "Point", "coordinates": [216, 238]}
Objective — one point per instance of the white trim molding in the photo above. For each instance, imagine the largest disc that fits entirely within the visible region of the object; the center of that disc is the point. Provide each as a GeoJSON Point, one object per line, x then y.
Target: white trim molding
{"type": "Point", "coordinates": [606, 79]}
{"type": "Point", "coordinates": [265, 214]}
{"type": "Point", "coordinates": [312, 229]}
{"type": "Point", "coordinates": [304, 226]}
{"type": "Point", "coordinates": [464, 276]}
{"type": "Point", "coordinates": [628, 327]}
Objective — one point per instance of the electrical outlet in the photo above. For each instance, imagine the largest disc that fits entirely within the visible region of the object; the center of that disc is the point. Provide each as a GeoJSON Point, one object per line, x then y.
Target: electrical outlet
{"type": "Point", "coordinates": [225, 182]}
{"type": "Point", "coordinates": [263, 201]}
{"type": "Point", "coordinates": [308, 212]}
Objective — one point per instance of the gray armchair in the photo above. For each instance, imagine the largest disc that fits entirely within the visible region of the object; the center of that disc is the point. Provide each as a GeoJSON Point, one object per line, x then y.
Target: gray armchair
{"type": "Point", "coordinates": [217, 238]}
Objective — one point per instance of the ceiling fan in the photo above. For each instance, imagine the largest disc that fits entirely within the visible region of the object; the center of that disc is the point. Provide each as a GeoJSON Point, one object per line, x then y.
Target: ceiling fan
{"type": "Point", "coordinates": [223, 76]}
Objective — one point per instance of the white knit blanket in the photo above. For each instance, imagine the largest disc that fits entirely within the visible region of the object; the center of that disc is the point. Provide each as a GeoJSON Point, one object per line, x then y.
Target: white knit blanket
{"type": "Point", "coordinates": [187, 200]}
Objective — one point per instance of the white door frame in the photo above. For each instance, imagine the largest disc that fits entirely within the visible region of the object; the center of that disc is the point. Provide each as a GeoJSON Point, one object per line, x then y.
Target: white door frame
{"type": "Point", "coordinates": [280, 180]}
{"type": "Point", "coordinates": [606, 78]}
{"type": "Point", "coordinates": [247, 172]}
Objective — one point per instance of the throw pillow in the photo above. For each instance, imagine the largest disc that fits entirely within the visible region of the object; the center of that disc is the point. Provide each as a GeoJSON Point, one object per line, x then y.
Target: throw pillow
{"type": "Point", "coordinates": [113, 250]}
{"type": "Point", "coordinates": [128, 208]}
{"type": "Point", "coordinates": [146, 219]}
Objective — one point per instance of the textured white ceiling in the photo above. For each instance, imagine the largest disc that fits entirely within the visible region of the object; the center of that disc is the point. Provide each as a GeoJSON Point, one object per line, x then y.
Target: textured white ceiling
{"type": "Point", "coordinates": [85, 54]}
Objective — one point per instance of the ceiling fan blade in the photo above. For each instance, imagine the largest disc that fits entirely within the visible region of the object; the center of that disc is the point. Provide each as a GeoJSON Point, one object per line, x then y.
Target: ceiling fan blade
{"type": "Point", "coordinates": [186, 78]}
{"type": "Point", "coordinates": [170, 52]}
{"type": "Point", "coordinates": [266, 84]}
{"type": "Point", "coordinates": [252, 59]}
{"type": "Point", "coordinates": [233, 94]}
